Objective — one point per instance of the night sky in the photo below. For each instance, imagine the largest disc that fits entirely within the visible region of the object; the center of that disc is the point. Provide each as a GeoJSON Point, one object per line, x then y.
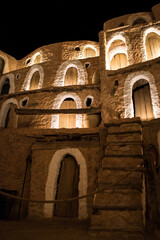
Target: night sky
{"type": "Point", "coordinates": [29, 25]}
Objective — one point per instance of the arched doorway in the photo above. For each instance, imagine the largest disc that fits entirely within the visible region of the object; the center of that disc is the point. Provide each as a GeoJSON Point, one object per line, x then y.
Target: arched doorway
{"type": "Point", "coordinates": [67, 187]}
{"type": "Point", "coordinates": [71, 77]}
{"type": "Point", "coordinates": [67, 120]}
{"type": "Point", "coordinates": [142, 100]}
{"type": "Point", "coordinates": [5, 87]}
{"type": "Point", "coordinates": [34, 81]}
{"type": "Point", "coordinates": [152, 45]}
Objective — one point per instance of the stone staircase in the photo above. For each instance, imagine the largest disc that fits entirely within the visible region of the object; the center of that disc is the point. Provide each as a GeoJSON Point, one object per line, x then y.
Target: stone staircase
{"type": "Point", "coordinates": [119, 211]}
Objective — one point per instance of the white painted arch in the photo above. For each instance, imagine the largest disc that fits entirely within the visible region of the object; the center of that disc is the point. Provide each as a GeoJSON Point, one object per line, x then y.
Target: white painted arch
{"type": "Point", "coordinates": [128, 102]}
{"type": "Point", "coordinates": [10, 77]}
{"type": "Point", "coordinates": [32, 70]}
{"type": "Point", "coordinates": [60, 76]}
{"type": "Point", "coordinates": [4, 110]}
{"type": "Point", "coordinates": [51, 183]}
{"type": "Point", "coordinates": [57, 103]}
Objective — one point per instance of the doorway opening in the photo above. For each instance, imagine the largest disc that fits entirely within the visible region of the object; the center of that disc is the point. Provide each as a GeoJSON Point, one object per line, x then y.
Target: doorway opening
{"type": "Point", "coordinates": [142, 100]}
{"type": "Point", "coordinates": [67, 187]}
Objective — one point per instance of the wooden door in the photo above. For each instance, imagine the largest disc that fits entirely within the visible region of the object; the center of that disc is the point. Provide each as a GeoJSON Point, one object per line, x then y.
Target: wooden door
{"type": "Point", "coordinates": [142, 102]}
{"type": "Point", "coordinates": [67, 187]}
{"type": "Point", "coordinates": [71, 77]}
{"type": "Point", "coordinates": [67, 120]}
{"type": "Point", "coordinates": [152, 46]}
{"type": "Point", "coordinates": [118, 61]}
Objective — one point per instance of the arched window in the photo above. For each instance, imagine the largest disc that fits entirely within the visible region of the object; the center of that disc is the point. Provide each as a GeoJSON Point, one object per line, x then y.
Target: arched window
{"type": "Point", "coordinates": [67, 187]}
{"type": "Point", "coordinates": [96, 77]}
{"type": "Point", "coordinates": [67, 120]}
{"type": "Point", "coordinates": [142, 100]}
{"type": "Point", "coordinates": [117, 55]}
{"type": "Point", "coordinates": [152, 45]}
{"type": "Point", "coordinates": [139, 21]}
{"type": "Point", "coordinates": [5, 87]}
{"type": "Point", "coordinates": [34, 80]}
{"type": "Point", "coordinates": [89, 52]}
{"type": "Point", "coordinates": [1, 65]}
{"type": "Point", "coordinates": [71, 77]}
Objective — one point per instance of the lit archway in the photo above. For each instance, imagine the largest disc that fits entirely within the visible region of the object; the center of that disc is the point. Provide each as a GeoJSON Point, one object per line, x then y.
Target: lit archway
{"type": "Point", "coordinates": [128, 86]}
{"type": "Point", "coordinates": [61, 72]}
{"type": "Point", "coordinates": [116, 52]}
{"type": "Point", "coordinates": [31, 72]}
{"type": "Point", "coordinates": [51, 183]}
{"type": "Point", "coordinates": [151, 41]}
{"type": "Point", "coordinates": [57, 103]}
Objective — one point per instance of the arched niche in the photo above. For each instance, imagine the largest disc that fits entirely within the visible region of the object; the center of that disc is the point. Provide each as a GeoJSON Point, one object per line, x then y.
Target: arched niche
{"type": "Point", "coordinates": [57, 104]}
{"type": "Point", "coordinates": [8, 117]}
{"type": "Point", "coordinates": [142, 101]}
{"type": "Point", "coordinates": [2, 62]}
{"type": "Point", "coordinates": [139, 20]}
{"type": "Point", "coordinates": [71, 77]}
{"type": "Point", "coordinates": [96, 77]}
{"type": "Point", "coordinates": [89, 52]}
{"type": "Point", "coordinates": [117, 54]}
{"type": "Point", "coordinates": [152, 44]}
{"type": "Point", "coordinates": [5, 87]}
{"type": "Point", "coordinates": [34, 83]}
{"type": "Point", "coordinates": [67, 120]}
{"type": "Point", "coordinates": [128, 88]}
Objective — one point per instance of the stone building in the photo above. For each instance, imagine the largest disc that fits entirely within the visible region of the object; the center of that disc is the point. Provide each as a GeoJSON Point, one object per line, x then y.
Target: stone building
{"type": "Point", "coordinates": [78, 117]}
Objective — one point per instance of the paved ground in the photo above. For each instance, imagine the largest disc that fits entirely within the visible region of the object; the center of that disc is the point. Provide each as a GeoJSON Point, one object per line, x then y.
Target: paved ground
{"type": "Point", "coordinates": [43, 230]}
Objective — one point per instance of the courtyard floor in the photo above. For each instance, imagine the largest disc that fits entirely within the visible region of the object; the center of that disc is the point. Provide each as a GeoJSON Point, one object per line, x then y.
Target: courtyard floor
{"type": "Point", "coordinates": [44, 230]}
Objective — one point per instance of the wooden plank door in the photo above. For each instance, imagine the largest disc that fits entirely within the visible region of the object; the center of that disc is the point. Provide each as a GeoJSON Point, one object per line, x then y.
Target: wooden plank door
{"type": "Point", "coordinates": [142, 103]}
{"type": "Point", "coordinates": [71, 77]}
{"type": "Point", "coordinates": [118, 61]}
{"type": "Point", "coordinates": [67, 187]}
{"type": "Point", "coordinates": [67, 120]}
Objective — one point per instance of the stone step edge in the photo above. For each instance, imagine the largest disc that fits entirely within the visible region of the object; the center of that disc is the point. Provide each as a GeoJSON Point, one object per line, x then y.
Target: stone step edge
{"type": "Point", "coordinates": [115, 208]}
{"type": "Point", "coordinates": [139, 230]}
{"type": "Point", "coordinates": [124, 133]}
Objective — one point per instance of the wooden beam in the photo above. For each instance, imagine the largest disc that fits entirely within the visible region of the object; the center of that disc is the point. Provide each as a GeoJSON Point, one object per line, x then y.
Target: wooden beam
{"type": "Point", "coordinates": [57, 111]}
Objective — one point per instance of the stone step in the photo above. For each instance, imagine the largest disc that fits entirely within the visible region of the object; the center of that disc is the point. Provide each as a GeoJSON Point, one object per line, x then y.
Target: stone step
{"type": "Point", "coordinates": [123, 198]}
{"type": "Point", "coordinates": [124, 150]}
{"type": "Point", "coordinates": [120, 177]}
{"type": "Point", "coordinates": [117, 220]}
{"type": "Point", "coordinates": [116, 235]}
{"type": "Point", "coordinates": [124, 137]}
{"type": "Point", "coordinates": [126, 127]}
{"type": "Point", "coordinates": [130, 162]}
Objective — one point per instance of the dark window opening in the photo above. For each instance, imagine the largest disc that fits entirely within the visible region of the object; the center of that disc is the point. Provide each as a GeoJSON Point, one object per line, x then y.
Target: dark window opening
{"type": "Point", "coordinates": [5, 87]}
{"type": "Point", "coordinates": [88, 102]}
{"type": "Point", "coordinates": [77, 48]}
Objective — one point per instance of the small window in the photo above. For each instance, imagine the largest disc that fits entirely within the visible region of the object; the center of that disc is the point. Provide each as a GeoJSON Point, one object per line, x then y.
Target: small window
{"type": "Point", "coordinates": [89, 101]}
{"type": "Point", "coordinates": [24, 101]}
{"type": "Point", "coordinates": [28, 61]}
